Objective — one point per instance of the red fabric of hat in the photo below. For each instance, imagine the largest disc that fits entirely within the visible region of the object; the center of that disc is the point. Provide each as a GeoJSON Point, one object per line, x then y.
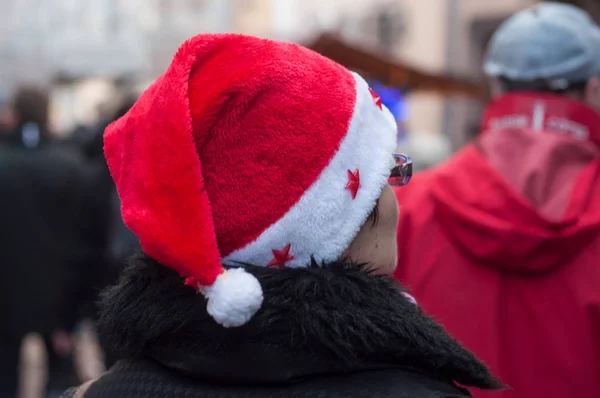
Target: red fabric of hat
{"type": "Point", "coordinates": [249, 151]}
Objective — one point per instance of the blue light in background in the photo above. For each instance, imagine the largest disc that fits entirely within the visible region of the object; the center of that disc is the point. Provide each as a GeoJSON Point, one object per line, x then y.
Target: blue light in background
{"type": "Point", "coordinates": [393, 99]}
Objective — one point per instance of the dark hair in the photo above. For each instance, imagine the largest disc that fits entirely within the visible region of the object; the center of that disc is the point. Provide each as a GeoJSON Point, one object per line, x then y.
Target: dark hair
{"type": "Point", "coordinates": [31, 105]}
{"type": "Point", "coordinates": [543, 86]}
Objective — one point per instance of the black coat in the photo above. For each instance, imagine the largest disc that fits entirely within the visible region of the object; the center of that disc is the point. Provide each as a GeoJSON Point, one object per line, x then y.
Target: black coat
{"type": "Point", "coordinates": [330, 330]}
{"type": "Point", "coordinates": [40, 204]}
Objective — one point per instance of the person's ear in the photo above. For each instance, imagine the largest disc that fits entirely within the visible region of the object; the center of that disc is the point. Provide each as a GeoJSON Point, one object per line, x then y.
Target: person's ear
{"type": "Point", "coordinates": [592, 93]}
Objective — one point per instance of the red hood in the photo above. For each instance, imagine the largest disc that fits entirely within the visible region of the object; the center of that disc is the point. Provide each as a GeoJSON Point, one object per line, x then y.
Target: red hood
{"type": "Point", "coordinates": [493, 223]}
{"type": "Point", "coordinates": [483, 202]}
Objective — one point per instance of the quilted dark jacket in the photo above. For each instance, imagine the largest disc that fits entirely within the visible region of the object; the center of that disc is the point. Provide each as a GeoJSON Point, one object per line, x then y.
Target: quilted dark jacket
{"type": "Point", "coordinates": [148, 379]}
{"type": "Point", "coordinates": [324, 331]}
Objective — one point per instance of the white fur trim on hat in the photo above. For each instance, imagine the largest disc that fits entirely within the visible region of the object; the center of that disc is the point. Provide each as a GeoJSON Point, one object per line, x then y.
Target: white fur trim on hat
{"type": "Point", "coordinates": [234, 298]}
{"type": "Point", "coordinates": [326, 219]}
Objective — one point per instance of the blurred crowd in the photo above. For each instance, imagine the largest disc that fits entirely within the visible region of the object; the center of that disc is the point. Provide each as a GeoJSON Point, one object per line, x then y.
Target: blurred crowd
{"type": "Point", "coordinates": [499, 244]}
{"type": "Point", "coordinates": [64, 239]}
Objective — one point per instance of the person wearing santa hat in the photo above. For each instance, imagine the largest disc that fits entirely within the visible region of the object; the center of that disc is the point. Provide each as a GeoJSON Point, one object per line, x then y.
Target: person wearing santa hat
{"type": "Point", "coordinates": [255, 175]}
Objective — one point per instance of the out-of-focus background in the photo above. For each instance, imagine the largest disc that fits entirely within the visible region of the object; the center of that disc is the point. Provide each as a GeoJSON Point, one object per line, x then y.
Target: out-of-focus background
{"type": "Point", "coordinates": [90, 52]}
{"type": "Point", "coordinates": [69, 67]}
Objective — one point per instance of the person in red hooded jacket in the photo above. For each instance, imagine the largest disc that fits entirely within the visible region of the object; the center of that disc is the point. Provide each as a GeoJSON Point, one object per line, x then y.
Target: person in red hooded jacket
{"type": "Point", "coordinates": [501, 244]}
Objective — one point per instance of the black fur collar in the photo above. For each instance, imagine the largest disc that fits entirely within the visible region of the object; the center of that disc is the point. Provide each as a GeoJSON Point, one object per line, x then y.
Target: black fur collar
{"type": "Point", "coordinates": [323, 319]}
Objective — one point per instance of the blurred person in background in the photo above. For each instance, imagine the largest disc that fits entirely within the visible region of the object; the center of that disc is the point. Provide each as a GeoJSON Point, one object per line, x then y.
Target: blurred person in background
{"type": "Point", "coordinates": [27, 117]}
{"type": "Point", "coordinates": [501, 244]}
{"type": "Point", "coordinates": [266, 261]}
{"type": "Point", "coordinates": [121, 241]}
{"type": "Point", "coordinates": [7, 122]}
{"type": "Point", "coordinates": [40, 207]}
{"type": "Point", "coordinates": [107, 241]}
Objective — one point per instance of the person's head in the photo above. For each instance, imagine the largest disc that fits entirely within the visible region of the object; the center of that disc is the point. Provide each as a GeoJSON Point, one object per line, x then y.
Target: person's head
{"type": "Point", "coordinates": [31, 104]}
{"type": "Point", "coordinates": [30, 107]}
{"type": "Point", "coordinates": [254, 152]}
{"type": "Point", "coordinates": [549, 48]}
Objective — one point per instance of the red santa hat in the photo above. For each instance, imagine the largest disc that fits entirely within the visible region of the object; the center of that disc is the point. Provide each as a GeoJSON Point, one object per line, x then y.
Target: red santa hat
{"type": "Point", "coordinates": [249, 151]}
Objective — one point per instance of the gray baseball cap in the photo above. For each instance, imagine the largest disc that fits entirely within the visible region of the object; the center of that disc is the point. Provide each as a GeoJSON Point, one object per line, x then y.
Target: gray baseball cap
{"type": "Point", "coordinates": [552, 41]}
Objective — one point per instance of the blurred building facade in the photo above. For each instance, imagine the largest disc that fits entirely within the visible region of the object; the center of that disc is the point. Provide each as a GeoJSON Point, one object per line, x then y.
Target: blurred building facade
{"type": "Point", "coordinates": [449, 37]}
{"type": "Point", "coordinates": [440, 36]}
{"type": "Point", "coordinates": [40, 40]}
{"type": "Point", "coordinates": [43, 42]}
{"type": "Point", "coordinates": [469, 27]}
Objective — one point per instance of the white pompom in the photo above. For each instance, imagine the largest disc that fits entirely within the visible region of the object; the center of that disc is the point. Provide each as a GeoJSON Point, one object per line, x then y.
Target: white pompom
{"type": "Point", "coordinates": [234, 298]}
